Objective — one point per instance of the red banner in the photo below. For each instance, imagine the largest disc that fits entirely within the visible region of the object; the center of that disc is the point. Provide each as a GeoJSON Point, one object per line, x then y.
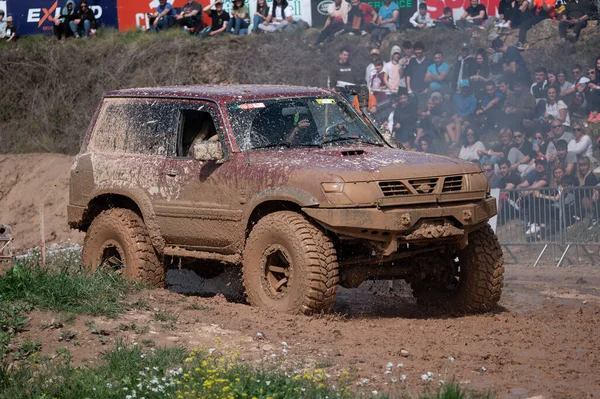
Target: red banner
{"type": "Point", "coordinates": [436, 7]}
{"type": "Point", "coordinates": [132, 13]}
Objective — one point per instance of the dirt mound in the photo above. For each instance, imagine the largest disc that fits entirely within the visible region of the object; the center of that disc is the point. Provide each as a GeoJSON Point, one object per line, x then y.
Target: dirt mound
{"type": "Point", "coordinates": [27, 182]}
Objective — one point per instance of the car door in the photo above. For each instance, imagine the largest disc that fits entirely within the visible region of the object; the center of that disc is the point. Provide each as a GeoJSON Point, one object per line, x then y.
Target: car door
{"type": "Point", "coordinates": [199, 207]}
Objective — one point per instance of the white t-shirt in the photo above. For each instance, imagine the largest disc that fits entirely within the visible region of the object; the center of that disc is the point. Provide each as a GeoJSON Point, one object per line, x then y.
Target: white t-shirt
{"type": "Point", "coordinates": [554, 111]}
{"type": "Point", "coordinates": [287, 11]}
{"type": "Point", "coordinates": [470, 153]}
{"type": "Point", "coordinates": [584, 147]}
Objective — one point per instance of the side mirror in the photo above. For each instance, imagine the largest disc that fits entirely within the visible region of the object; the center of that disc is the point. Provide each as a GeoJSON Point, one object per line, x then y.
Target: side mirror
{"type": "Point", "coordinates": [207, 151]}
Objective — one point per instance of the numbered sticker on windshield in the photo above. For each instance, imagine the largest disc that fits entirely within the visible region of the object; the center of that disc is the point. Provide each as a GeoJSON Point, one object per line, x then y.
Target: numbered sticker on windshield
{"type": "Point", "coordinates": [325, 101]}
{"type": "Point", "coordinates": [251, 106]}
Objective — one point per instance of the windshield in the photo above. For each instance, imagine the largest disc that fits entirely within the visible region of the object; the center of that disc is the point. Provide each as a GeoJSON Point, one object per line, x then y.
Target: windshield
{"type": "Point", "coordinates": [298, 122]}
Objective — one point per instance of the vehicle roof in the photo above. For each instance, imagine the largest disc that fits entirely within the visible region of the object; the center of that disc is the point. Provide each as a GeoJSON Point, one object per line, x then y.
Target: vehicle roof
{"type": "Point", "coordinates": [221, 92]}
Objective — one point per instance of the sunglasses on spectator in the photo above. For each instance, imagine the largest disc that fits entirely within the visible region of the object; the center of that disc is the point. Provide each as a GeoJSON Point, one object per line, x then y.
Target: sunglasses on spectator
{"type": "Point", "coordinates": [518, 136]}
{"type": "Point", "coordinates": [556, 126]}
{"type": "Point", "coordinates": [576, 72]}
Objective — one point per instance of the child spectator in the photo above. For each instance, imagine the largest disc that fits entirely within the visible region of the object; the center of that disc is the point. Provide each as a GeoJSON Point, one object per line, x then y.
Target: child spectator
{"type": "Point", "coordinates": [387, 21]}
{"type": "Point", "coordinates": [437, 74]}
{"type": "Point", "coordinates": [473, 16]}
{"type": "Point", "coordinates": [2, 25]}
{"type": "Point", "coordinates": [337, 18]}
{"type": "Point", "coordinates": [421, 18]}
{"type": "Point", "coordinates": [163, 18]}
{"type": "Point", "coordinates": [61, 24]}
{"type": "Point", "coordinates": [11, 30]}
{"type": "Point", "coordinates": [471, 146]}
{"type": "Point", "coordinates": [465, 104]}
{"type": "Point", "coordinates": [220, 20]}
{"type": "Point", "coordinates": [393, 70]}
{"type": "Point", "coordinates": [262, 12]}
{"type": "Point", "coordinates": [446, 21]}
{"type": "Point", "coordinates": [190, 15]}
{"type": "Point", "coordinates": [378, 82]}
{"type": "Point", "coordinates": [239, 21]}
{"type": "Point", "coordinates": [84, 23]}
{"type": "Point", "coordinates": [576, 16]}
{"type": "Point", "coordinates": [280, 17]}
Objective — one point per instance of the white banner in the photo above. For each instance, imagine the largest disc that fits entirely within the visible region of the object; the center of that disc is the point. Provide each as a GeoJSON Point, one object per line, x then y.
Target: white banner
{"type": "Point", "coordinates": [495, 192]}
{"type": "Point", "coordinates": [3, 6]}
{"type": "Point", "coordinates": [301, 9]}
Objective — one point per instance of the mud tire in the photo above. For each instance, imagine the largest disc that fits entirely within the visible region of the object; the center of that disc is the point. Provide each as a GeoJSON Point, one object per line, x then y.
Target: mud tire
{"type": "Point", "coordinates": [123, 231]}
{"type": "Point", "coordinates": [313, 273]}
{"type": "Point", "coordinates": [481, 277]}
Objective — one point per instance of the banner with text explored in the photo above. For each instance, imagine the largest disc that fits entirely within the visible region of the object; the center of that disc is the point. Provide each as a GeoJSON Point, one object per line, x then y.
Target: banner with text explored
{"type": "Point", "coordinates": [37, 16]}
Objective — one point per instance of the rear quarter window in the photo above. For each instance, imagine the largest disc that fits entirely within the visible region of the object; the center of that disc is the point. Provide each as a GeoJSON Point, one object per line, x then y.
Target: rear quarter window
{"type": "Point", "coordinates": [137, 126]}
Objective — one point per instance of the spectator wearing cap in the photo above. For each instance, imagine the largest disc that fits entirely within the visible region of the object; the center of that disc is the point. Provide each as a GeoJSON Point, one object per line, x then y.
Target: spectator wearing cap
{"type": "Point", "coordinates": [2, 25]}
{"type": "Point", "coordinates": [360, 18]}
{"type": "Point", "coordinates": [421, 18]}
{"type": "Point", "coordinates": [416, 71]}
{"type": "Point", "coordinates": [163, 18]}
{"type": "Point", "coordinates": [11, 30]}
{"type": "Point", "coordinates": [563, 157]}
{"type": "Point", "coordinates": [539, 10]}
{"type": "Point", "coordinates": [519, 105]}
{"type": "Point", "coordinates": [465, 67]}
{"type": "Point", "coordinates": [576, 17]}
{"type": "Point", "coordinates": [473, 16]}
{"type": "Point", "coordinates": [471, 146]}
{"type": "Point", "coordinates": [394, 71]}
{"type": "Point", "coordinates": [219, 18]}
{"type": "Point", "coordinates": [387, 21]}
{"type": "Point", "coordinates": [239, 19]}
{"type": "Point", "coordinates": [464, 104]}
{"type": "Point", "coordinates": [375, 55]}
{"type": "Point", "coordinates": [280, 17]}
{"type": "Point", "coordinates": [514, 64]}
{"type": "Point", "coordinates": [437, 74]}
{"type": "Point", "coordinates": [84, 23]}
{"type": "Point", "coordinates": [446, 21]}
{"type": "Point", "coordinates": [337, 17]}
{"type": "Point", "coordinates": [189, 16]}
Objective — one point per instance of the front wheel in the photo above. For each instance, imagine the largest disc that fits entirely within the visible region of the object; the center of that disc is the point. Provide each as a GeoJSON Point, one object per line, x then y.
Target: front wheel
{"type": "Point", "coordinates": [290, 265]}
{"type": "Point", "coordinates": [471, 279]}
{"type": "Point", "coordinates": [118, 240]}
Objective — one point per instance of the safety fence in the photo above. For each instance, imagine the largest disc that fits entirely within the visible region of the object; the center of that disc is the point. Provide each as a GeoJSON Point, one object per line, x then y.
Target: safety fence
{"type": "Point", "coordinates": [562, 220]}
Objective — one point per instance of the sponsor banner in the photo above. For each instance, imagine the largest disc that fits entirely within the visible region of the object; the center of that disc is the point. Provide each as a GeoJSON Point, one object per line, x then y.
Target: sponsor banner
{"type": "Point", "coordinates": [436, 7]}
{"type": "Point", "coordinates": [132, 13]}
{"type": "Point", "coordinates": [301, 9]}
{"type": "Point", "coordinates": [37, 16]}
{"type": "Point", "coordinates": [407, 9]}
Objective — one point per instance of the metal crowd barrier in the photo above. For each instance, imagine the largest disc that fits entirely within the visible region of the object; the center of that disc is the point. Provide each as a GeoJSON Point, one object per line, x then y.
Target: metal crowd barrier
{"type": "Point", "coordinates": [556, 219]}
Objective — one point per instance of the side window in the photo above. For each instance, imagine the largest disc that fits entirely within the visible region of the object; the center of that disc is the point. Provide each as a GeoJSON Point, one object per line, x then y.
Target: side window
{"type": "Point", "coordinates": [197, 122]}
{"type": "Point", "coordinates": [139, 126]}
{"type": "Point", "coordinates": [195, 126]}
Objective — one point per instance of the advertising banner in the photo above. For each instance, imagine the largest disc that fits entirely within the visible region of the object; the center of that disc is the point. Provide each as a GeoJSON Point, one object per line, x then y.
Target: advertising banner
{"type": "Point", "coordinates": [436, 7]}
{"type": "Point", "coordinates": [407, 9]}
{"type": "Point", "coordinates": [132, 13]}
{"type": "Point", "coordinates": [37, 16]}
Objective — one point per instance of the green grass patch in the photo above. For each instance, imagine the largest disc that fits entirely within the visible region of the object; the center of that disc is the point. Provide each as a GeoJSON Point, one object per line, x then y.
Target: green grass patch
{"type": "Point", "coordinates": [65, 289]}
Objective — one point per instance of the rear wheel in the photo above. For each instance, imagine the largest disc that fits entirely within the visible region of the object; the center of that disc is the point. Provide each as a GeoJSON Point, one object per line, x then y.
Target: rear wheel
{"type": "Point", "coordinates": [470, 279]}
{"type": "Point", "coordinates": [118, 240]}
{"type": "Point", "coordinates": [290, 265]}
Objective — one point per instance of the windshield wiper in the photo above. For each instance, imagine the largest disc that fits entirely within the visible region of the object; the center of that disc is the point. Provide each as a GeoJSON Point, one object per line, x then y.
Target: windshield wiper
{"type": "Point", "coordinates": [272, 145]}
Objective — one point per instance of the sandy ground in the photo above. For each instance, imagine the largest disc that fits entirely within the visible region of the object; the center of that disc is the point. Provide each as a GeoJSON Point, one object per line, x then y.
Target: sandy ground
{"type": "Point", "coordinates": [542, 340]}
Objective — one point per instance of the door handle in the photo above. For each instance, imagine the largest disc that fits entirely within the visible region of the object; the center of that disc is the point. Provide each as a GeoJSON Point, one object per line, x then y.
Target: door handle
{"type": "Point", "coordinates": [172, 172]}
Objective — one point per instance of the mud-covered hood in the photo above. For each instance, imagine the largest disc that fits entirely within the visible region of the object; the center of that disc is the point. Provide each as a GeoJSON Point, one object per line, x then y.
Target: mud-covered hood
{"type": "Point", "coordinates": [359, 163]}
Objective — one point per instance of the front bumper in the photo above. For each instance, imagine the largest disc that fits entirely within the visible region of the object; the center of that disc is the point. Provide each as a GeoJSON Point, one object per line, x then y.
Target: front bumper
{"type": "Point", "coordinates": [384, 223]}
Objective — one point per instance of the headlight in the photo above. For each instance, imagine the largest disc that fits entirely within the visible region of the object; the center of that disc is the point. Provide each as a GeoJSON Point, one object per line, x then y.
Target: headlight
{"type": "Point", "coordinates": [334, 192]}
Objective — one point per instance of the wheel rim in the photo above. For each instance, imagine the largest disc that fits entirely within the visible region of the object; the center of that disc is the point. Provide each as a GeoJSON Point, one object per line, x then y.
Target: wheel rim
{"type": "Point", "coordinates": [112, 257]}
{"type": "Point", "coordinates": [276, 269]}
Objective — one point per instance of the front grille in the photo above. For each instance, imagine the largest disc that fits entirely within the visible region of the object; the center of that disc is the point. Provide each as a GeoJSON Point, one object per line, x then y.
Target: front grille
{"type": "Point", "coordinates": [393, 188]}
{"type": "Point", "coordinates": [452, 183]}
{"type": "Point", "coordinates": [397, 188]}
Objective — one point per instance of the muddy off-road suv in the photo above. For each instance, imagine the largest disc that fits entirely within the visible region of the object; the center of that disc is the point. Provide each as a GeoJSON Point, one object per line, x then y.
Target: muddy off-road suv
{"type": "Point", "coordinates": [291, 183]}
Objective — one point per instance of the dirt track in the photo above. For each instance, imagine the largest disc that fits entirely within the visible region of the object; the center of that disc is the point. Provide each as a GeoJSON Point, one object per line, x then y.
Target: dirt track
{"type": "Point", "coordinates": [543, 340]}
